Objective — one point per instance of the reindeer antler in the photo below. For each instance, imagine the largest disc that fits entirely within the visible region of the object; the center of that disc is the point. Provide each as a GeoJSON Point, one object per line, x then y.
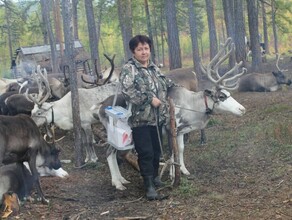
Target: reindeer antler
{"type": "Point", "coordinates": [212, 69]}
{"type": "Point", "coordinates": [111, 60]}
{"type": "Point", "coordinates": [277, 64]}
{"type": "Point", "coordinates": [43, 86]}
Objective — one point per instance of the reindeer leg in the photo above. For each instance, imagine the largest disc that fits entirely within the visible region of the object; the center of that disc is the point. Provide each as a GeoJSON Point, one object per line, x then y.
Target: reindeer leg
{"type": "Point", "coordinates": [35, 175]}
{"type": "Point", "coordinates": [181, 146]}
{"type": "Point", "coordinates": [25, 192]}
{"type": "Point", "coordinates": [2, 151]}
{"type": "Point", "coordinates": [117, 179]}
{"type": "Point", "coordinates": [203, 137]}
{"type": "Point", "coordinates": [90, 152]}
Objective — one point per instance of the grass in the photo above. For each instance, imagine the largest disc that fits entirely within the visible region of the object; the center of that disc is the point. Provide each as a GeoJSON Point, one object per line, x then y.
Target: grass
{"type": "Point", "coordinates": [266, 134]}
{"type": "Point", "coordinates": [186, 188]}
{"type": "Point", "coordinates": [275, 109]}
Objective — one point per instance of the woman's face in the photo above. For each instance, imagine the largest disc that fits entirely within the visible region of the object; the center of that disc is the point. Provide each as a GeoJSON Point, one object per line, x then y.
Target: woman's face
{"type": "Point", "coordinates": [142, 53]}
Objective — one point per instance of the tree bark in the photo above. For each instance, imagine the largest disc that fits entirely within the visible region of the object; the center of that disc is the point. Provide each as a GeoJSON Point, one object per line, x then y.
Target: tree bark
{"type": "Point", "coordinates": [265, 29]}
{"type": "Point", "coordinates": [239, 33]}
{"type": "Point", "coordinates": [229, 24]}
{"type": "Point", "coordinates": [92, 37]}
{"type": "Point", "coordinates": [274, 25]}
{"type": "Point", "coordinates": [212, 28]}
{"type": "Point", "coordinates": [156, 26]}
{"type": "Point", "coordinates": [7, 18]}
{"type": "Point", "coordinates": [75, 18]}
{"type": "Point", "coordinates": [194, 37]}
{"type": "Point", "coordinates": [46, 15]}
{"type": "Point", "coordinates": [69, 55]}
{"type": "Point", "coordinates": [58, 26]}
{"type": "Point", "coordinates": [174, 52]}
{"type": "Point", "coordinates": [162, 36]}
{"type": "Point", "coordinates": [149, 28]}
{"type": "Point", "coordinates": [254, 35]}
{"type": "Point", "coordinates": [125, 19]}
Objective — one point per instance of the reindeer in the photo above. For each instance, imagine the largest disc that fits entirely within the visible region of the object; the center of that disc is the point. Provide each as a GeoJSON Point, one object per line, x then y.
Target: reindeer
{"type": "Point", "coordinates": [193, 109]}
{"type": "Point", "coordinates": [15, 102]}
{"type": "Point", "coordinates": [59, 112]}
{"type": "Point", "coordinates": [20, 141]}
{"type": "Point", "coordinates": [263, 82]}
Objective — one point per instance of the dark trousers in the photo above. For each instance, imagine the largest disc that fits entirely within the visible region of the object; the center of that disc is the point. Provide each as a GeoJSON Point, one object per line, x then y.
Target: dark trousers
{"type": "Point", "coordinates": [148, 148]}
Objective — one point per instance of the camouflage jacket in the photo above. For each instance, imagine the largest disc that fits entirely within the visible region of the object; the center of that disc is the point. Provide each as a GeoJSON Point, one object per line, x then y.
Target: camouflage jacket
{"type": "Point", "coordinates": [139, 86]}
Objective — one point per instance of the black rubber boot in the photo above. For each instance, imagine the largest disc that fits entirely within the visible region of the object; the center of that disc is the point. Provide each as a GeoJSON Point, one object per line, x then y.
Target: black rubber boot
{"type": "Point", "coordinates": [157, 182]}
{"type": "Point", "coordinates": [151, 193]}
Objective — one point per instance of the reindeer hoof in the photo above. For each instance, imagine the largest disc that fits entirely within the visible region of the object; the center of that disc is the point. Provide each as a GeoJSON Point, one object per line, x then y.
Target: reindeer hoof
{"type": "Point", "coordinates": [28, 199]}
{"type": "Point", "coordinates": [45, 201]}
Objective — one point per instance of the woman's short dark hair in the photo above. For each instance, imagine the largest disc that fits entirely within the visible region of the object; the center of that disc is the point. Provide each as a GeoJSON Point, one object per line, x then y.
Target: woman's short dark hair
{"type": "Point", "coordinates": [139, 39]}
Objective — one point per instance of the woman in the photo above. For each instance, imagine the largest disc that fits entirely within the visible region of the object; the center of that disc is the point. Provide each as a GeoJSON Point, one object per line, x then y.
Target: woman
{"type": "Point", "coordinates": [145, 88]}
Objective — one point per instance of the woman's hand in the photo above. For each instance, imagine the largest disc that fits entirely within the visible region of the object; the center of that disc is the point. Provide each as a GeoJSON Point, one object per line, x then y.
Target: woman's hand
{"type": "Point", "coordinates": [155, 102]}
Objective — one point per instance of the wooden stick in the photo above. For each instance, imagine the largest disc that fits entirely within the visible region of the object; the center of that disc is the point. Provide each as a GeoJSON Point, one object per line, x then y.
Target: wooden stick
{"type": "Point", "coordinates": [174, 144]}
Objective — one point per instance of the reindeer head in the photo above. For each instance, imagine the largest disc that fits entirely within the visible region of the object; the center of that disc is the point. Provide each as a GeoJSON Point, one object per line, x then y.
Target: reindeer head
{"type": "Point", "coordinates": [43, 85]}
{"type": "Point", "coordinates": [44, 92]}
{"type": "Point", "coordinates": [280, 76]}
{"type": "Point", "coordinates": [228, 81]}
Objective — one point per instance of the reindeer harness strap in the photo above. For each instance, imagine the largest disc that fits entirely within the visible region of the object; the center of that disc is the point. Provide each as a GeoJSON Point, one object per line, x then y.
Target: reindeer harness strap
{"type": "Point", "coordinates": [208, 110]}
{"type": "Point", "coordinates": [53, 118]}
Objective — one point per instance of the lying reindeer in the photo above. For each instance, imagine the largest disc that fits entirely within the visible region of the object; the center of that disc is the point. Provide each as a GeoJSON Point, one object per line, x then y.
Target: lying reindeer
{"type": "Point", "coordinates": [192, 109]}
{"type": "Point", "coordinates": [16, 178]}
{"type": "Point", "coordinates": [263, 82]}
{"type": "Point", "coordinates": [20, 141]}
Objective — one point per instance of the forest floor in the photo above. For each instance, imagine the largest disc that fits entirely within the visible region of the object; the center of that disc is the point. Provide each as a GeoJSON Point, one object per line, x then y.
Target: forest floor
{"type": "Point", "coordinates": [243, 172]}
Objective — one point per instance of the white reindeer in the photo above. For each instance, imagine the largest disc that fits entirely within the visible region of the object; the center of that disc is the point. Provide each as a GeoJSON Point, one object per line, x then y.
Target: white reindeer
{"type": "Point", "coordinates": [60, 112]}
{"type": "Point", "coordinates": [193, 109]}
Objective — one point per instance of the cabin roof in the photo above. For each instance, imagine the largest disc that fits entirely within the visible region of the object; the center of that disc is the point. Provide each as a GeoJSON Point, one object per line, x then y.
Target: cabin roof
{"type": "Point", "coordinates": [44, 48]}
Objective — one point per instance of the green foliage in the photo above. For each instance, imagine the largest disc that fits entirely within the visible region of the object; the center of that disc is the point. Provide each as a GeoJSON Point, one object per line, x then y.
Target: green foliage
{"type": "Point", "coordinates": [276, 109]}
{"type": "Point", "coordinates": [186, 188]}
{"type": "Point", "coordinates": [27, 28]}
{"type": "Point", "coordinates": [283, 15]}
{"type": "Point", "coordinates": [213, 121]}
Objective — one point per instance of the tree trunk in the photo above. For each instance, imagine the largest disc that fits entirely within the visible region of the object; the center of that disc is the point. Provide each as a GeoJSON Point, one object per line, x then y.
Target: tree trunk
{"type": "Point", "coordinates": [92, 37]}
{"type": "Point", "coordinates": [254, 35]}
{"type": "Point", "coordinates": [125, 19]}
{"type": "Point", "coordinates": [274, 25]}
{"type": "Point", "coordinates": [69, 57]}
{"type": "Point", "coordinates": [174, 52]}
{"type": "Point", "coordinates": [239, 33]}
{"type": "Point", "coordinates": [46, 15]}
{"type": "Point", "coordinates": [265, 29]}
{"type": "Point", "coordinates": [229, 23]}
{"type": "Point", "coordinates": [75, 18]}
{"type": "Point", "coordinates": [7, 17]}
{"type": "Point", "coordinates": [194, 37]}
{"type": "Point", "coordinates": [162, 36]}
{"type": "Point", "coordinates": [212, 28]}
{"type": "Point", "coordinates": [98, 26]}
{"type": "Point", "coordinates": [58, 26]}
{"type": "Point", "coordinates": [156, 26]}
{"type": "Point", "coordinates": [149, 28]}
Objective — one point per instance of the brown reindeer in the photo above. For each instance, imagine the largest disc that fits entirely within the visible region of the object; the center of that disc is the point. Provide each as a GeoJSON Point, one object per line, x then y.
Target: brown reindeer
{"type": "Point", "coordinates": [263, 82]}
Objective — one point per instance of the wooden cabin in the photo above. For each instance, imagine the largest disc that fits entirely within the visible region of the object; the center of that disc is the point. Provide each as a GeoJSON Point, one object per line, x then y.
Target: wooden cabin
{"type": "Point", "coordinates": [27, 58]}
